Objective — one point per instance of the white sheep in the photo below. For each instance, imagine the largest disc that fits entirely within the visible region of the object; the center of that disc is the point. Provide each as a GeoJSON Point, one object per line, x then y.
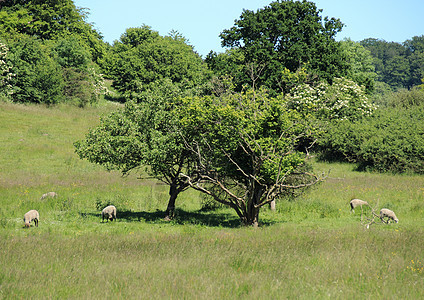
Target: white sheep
{"type": "Point", "coordinates": [109, 212]}
{"type": "Point", "coordinates": [49, 194]}
{"type": "Point", "coordinates": [357, 202]}
{"type": "Point", "coordinates": [30, 216]}
{"type": "Point", "coordinates": [384, 212]}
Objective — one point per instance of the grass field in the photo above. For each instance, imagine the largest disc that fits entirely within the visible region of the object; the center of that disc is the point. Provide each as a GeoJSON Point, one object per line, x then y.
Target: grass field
{"type": "Point", "coordinates": [311, 248]}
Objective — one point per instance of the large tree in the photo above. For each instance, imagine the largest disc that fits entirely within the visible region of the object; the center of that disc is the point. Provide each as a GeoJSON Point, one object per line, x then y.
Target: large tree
{"type": "Point", "coordinates": [49, 20]}
{"type": "Point", "coordinates": [361, 67]}
{"type": "Point", "coordinates": [142, 57]}
{"type": "Point", "coordinates": [286, 35]}
{"type": "Point", "coordinates": [397, 65]}
{"type": "Point", "coordinates": [246, 149]}
{"type": "Point", "coordinates": [144, 134]}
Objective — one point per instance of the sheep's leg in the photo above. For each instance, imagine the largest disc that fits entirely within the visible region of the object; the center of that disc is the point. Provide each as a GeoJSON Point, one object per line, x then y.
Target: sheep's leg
{"type": "Point", "coordinates": [36, 222]}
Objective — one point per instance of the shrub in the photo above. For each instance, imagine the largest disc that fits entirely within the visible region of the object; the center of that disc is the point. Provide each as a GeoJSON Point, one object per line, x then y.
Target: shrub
{"type": "Point", "coordinates": [5, 73]}
{"type": "Point", "coordinates": [406, 98]}
{"type": "Point", "coordinates": [38, 76]}
{"type": "Point", "coordinates": [391, 140]}
{"type": "Point", "coordinates": [344, 99]}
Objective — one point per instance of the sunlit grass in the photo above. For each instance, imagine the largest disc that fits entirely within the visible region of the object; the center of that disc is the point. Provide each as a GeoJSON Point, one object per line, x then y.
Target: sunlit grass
{"type": "Point", "coordinates": [311, 247]}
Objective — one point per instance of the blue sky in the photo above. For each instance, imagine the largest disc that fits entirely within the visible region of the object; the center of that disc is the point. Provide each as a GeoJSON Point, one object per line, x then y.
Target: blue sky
{"type": "Point", "coordinates": [201, 22]}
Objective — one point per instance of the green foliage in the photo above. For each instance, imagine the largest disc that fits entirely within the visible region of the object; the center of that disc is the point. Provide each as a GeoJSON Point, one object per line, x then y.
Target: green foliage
{"type": "Point", "coordinates": [245, 147]}
{"type": "Point", "coordinates": [392, 140]}
{"type": "Point", "coordinates": [343, 99]}
{"type": "Point", "coordinates": [82, 83]}
{"type": "Point", "coordinates": [38, 76]}
{"type": "Point", "coordinates": [360, 61]}
{"type": "Point", "coordinates": [52, 52]}
{"type": "Point", "coordinates": [82, 88]}
{"type": "Point", "coordinates": [142, 57]}
{"type": "Point", "coordinates": [13, 22]}
{"type": "Point", "coordinates": [72, 54]}
{"type": "Point", "coordinates": [405, 98]}
{"type": "Point", "coordinates": [230, 63]}
{"type": "Point", "coordinates": [398, 65]}
{"type": "Point", "coordinates": [138, 134]}
{"type": "Point", "coordinates": [49, 20]}
{"type": "Point", "coordinates": [285, 34]}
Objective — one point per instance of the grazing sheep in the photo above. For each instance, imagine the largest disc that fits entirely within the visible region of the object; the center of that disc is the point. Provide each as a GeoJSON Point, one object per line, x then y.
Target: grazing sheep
{"type": "Point", "coordinates": [32, 215]}
{"type": "Point", "coordinates": [109, 212]}
{"type": "Point", "coordinates": [49, 194]}
{"type": "Point", "coordinates": [356, 202]}
{"type": "Point", "coordinates": [384, 212]}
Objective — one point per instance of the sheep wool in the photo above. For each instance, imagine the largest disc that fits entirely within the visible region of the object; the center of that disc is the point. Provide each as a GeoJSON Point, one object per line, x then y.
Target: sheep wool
{"type": "Point", "coordinates": [30, 216]}
{"type": "Point", "coordinates": [109, 212]}
{"type": "Point", "coordinates": [384, 212]}
{"type": "Point", "coordinates": [49, 194]}
{"type": "Point", "coordinates": [357, 202]}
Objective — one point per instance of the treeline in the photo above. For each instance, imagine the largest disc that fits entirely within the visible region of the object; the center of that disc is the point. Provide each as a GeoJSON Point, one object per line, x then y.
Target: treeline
{"type": "Point", "coordinates": [50, 53]}
{"type": "Point", "coordinates": [397, 65]}
{"type": "Point", "coordinates": [355, 91]}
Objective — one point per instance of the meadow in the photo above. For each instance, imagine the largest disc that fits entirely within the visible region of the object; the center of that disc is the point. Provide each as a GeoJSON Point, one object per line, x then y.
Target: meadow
{"type": "Point", "coordinates": [310, 247]}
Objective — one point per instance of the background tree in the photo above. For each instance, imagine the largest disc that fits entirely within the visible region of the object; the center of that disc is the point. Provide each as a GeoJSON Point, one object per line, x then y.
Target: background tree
{"type": "Point", "coordinates": [246, 148]}
{"type": "Point", "coordinates": [142, 137]}
{"type": "Point", "coordinates": [287, 34]}
{"type": "Point", "coordinates": [343, 100]}
{"type": "Point", "coordinates": [415, 53]}
{"type": "Point", "coordinates": [38, 77]}
{"type": "Point", "coordinates": [360, 62]}
{"type": "Point", "coordinates": [50, 20]}
{"type": "Point", "coordinates": [142, 57]}
{"type": "Point", "coordinates": [397, 65]}
{"type": "Point", "coordinates": [83, 83]}
{"type": "Point", "coordinates": [64, 46]}
{"type": "Point", "coordinates": [230, 63]}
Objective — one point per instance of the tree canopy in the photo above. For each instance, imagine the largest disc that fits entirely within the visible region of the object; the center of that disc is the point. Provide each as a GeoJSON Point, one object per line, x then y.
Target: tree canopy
{"type": "Point", "coordinates": [144, 136]}
{"type": "Point", "coordinates": [142, 57]}
{"type": "Point", "coordinates": [54, 53]}
{"type": "Point", "coordinates": [397, 65]}
{"type": "Point", "coordinates": [50, 20]}
{"type": "Point", "coordinates": [285, 34]}
{"type": "Point", "coordinates": [246, 149]}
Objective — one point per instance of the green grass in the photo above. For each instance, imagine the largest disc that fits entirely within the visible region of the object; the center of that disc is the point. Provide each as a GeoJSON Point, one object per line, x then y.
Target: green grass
{"type": "Point", "coordinates": [309, 248]}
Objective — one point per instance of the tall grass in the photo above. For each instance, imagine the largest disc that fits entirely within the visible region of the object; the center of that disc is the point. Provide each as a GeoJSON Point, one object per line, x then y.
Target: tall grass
{"type": "Point", "coordinates": [311, 247]}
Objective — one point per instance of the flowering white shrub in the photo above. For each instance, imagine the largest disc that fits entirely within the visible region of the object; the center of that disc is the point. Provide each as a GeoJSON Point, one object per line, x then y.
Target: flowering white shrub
{"type": "Point", "coordinates": [98, 83]}
{"type": "Point", "coordinates": [344, 99]}
{"type": "Point", "coordinates": [5, 72]}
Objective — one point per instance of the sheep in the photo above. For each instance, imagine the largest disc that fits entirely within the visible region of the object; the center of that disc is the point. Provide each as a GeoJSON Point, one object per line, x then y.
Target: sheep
{"type": "Point", "coordinates": [355, 203]}
{"type": "Point", "coordinates": [109, 212]}
{"type": "Point", "coordinates": [49, 194]}
{"type": "Point", "coordinates": [32, 215]}
{"type": "Point", "coordinates": [384, 212]}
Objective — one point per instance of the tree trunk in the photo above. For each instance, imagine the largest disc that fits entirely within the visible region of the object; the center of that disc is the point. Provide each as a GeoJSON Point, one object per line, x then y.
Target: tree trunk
{"type": "Point", "coordinates": [173, 194]}
{"type": "Point", "coordinates": [252, 217]}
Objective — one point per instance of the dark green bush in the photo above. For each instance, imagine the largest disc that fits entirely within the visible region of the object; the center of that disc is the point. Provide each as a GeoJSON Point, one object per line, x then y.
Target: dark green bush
{"type": "Point", "coordinates": [392, 140]}
{"type": "Point", "coordinates": [406, 98]}
{"type": "Point", "coordinates": [38, 76]}
{"type": "Point", "coordinates": [70, 53]}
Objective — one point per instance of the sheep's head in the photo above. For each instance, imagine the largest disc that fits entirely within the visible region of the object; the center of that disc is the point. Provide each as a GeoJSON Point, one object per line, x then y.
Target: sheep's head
{"type": "Point", "coordinates": [27, 225]}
